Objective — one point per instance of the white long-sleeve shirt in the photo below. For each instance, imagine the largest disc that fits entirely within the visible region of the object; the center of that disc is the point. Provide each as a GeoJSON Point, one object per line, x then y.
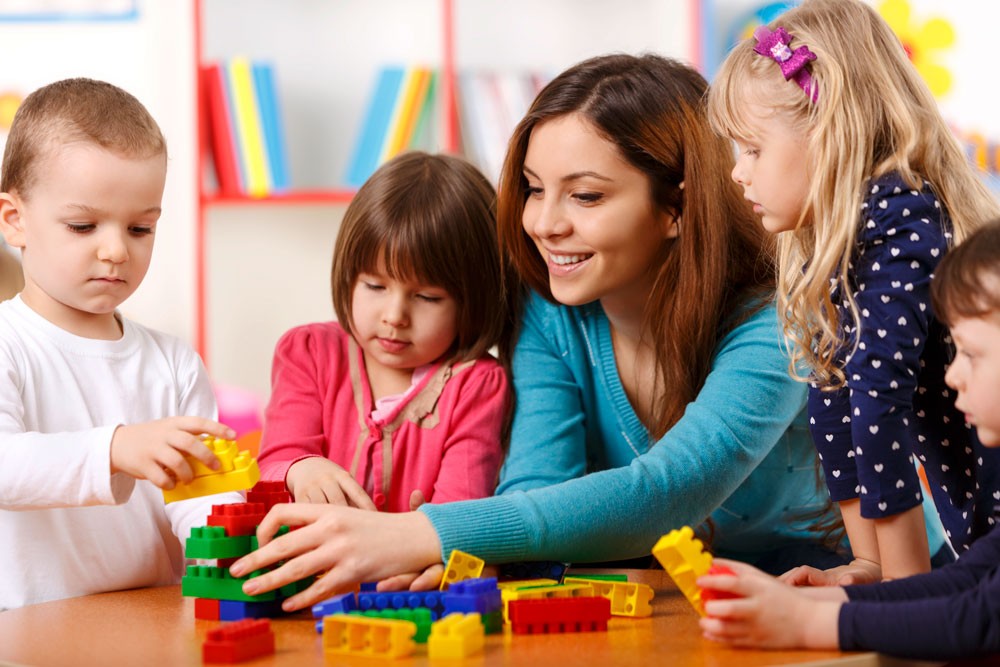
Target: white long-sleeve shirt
{"type": "Point", "coordinates": [69, 527]}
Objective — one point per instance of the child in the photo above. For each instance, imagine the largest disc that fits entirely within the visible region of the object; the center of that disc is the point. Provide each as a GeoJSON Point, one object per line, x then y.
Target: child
{"type": "Point", "coordinates": [400, 402]}
{"type": "Point", "coordinates": [844, 154]}
{"type": "Point", "coordinates": [82, 180]}
{"type": "Point", "coordinates": [953, 612]}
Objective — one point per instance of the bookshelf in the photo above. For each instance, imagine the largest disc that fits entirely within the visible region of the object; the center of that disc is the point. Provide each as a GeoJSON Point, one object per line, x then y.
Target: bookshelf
{"type": "Point", "coordinates": [262, 264]}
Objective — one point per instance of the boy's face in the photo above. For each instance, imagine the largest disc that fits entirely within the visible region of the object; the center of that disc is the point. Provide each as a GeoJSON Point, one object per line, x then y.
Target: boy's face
{"type": "Point", "coordinates": [975, 374]}
{"type": "Point", "coordinates": [86, 234]}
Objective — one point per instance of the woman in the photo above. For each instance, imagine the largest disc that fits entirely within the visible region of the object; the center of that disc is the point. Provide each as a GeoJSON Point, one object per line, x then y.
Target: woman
{"type": "Point", "coordinates": [649, 373]}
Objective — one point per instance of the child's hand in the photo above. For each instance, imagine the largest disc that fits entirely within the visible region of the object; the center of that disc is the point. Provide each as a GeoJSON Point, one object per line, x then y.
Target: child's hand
{"type": "Point", "coordinates": [770, 614]}
{"type": "Point", "coordinates": [321, 481]}
{"type": "Point", "coordinates": [858, 571]}
{"type": "Point", "coordinates": [155, 450]}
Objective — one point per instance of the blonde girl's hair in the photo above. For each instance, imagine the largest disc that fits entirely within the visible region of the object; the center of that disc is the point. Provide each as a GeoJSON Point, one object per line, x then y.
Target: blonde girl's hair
{"type": "Point", "coordinates": [874, 115]}
{"type": "Point", "coordinates": [429, 218]}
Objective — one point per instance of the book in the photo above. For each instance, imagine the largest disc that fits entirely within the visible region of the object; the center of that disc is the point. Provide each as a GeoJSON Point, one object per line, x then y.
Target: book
{"type": "Point", "coordinates": [408, 106]}
{"type": "Point", "coordinates": [272, 126]}
{"type": "Point", "coordinates": [220, 129]}
{"type": "Point", "coordinates": [248, 128]}
{"type": "Point", "coordinates": [368, 149]}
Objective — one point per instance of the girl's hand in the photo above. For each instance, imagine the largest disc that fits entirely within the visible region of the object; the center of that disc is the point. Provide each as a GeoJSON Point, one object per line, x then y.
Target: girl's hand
{"type": "Point", "coordinates": [346, 544]}
{"type": "Point", "coordinates": [858, 571]}
{"type": "Point", "coordinates": [155, 450]}
{"type": "Point", "coordinates": [770, 614]}
{"type": "Point", "coordinates": [321, 481]}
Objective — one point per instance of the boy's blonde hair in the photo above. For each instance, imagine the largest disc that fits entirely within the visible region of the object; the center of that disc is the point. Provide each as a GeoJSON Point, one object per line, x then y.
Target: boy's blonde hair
{"type": "Point", "coordinates": [74, 110]}
{"type": "Point", "coordinates": [967, 281]}
{"type": "Point", "coordinates": [429, 218]}
{"type": "Point", "coordinates": [874, 115]}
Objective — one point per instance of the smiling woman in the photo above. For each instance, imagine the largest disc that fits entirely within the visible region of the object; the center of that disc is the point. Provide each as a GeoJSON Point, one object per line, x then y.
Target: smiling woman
{"type": "Point", "coordinates": [649, 374]}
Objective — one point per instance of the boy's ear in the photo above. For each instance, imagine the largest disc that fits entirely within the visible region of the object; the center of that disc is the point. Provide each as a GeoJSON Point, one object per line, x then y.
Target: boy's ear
{"type": "Point", "coordinates": [10, 219]}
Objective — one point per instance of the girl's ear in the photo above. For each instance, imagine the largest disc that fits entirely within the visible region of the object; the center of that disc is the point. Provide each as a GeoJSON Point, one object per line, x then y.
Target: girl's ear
{"type": "Point", "coordinates": [671, 225]}
{"type": "Point", "coordinates": [10, 220]}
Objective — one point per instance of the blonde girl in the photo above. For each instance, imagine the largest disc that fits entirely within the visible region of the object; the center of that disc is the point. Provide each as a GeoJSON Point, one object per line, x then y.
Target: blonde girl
{"type": "Point", "coordinates": [843, 154]}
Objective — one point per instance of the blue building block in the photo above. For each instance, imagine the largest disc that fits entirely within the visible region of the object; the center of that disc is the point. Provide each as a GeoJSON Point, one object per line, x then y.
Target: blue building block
{"type": "Point", "coordinates": [338, 604]}
{"type": "Point", "coordinates": [432, 600]}
{"type": "Point", "coordinates": [369, 586]}
{"type": "Point", "coordinates": [234, 610]}
{"type": "Point", "coordinates": [473, 595]}
{"type": "Point", "coordinates": [542, 569]}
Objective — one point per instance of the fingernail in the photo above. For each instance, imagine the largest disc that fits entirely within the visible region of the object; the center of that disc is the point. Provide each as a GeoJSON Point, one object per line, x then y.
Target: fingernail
{"type": "Point", "coordinates": [250, 587]}
{"type": "Point", "coordinates": [230, 433]}
{"type": "Point", "coordinates": [236, 570]}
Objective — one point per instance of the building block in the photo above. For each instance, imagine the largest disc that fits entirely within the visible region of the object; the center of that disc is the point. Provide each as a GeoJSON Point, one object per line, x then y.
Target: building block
{"type": "Point", "coordinates": [254, 545]}
{"type": "Point", "coordinates": [539, 569]}
{"type": "Point", "coordinates": [684, 559]}
{"type": "Point", "coordinates": [626, 599]}
{"type": "Point", "coordinates": [713, 594]}
{"type": "Point", "coordinates": [338, 604]}
{"type": "Point", "coordinates": [583, 614]}
{"type": "Point", "coordinates": [269, 494]}
{"type": "Point", "coordinates": [543, 592]}
{"type": "Point", "coordinates": [237, 518]}
{"type": "Point", "coordinates": [206, 581]}
{"type": "Point", "coordinates": [238, 471]}
{"type": "Point", "coordinates": [515, 584]}
{"type": "Point", "coordinates": [432, 600]}
{"type": "Point", "coordinates": [235, 610]}
{"type": "Point", "coordinates": [206, 609]}
{"type": "Point", "coordinates": [211, 542]}
{"type": "Point", "coordinates": [421, 617]}
{"type": "Point", "coordinates": [347, 634]}
{"type": "Point", "coordinates": [368, 586]}
{"type": "Point", "coordinates": [461, 566]}
{"type": "Point", "coordinates": [599, 577]}
{"type": "Point", "coordinates": [473, 595]}
{"type": "Point", "coordinates": [239, 641]}
{"type": "Point", "coordinates": [456, 636]}
{"type": "Point", "coordinates": [493, 622]}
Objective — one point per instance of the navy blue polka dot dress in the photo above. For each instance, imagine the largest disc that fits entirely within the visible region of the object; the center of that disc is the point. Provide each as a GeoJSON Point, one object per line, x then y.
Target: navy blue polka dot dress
{"type": "Point", "coordinates": [896, 404]}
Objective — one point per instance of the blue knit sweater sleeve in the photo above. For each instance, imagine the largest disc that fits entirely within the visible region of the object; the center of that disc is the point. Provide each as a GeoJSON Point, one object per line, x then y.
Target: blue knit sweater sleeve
{"type": "Point", "coordinates": [741, 412]}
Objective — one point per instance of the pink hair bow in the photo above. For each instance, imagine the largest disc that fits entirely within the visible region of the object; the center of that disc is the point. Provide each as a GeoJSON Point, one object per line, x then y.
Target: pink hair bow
{"type": "Point", "coordinates": [775, 45]}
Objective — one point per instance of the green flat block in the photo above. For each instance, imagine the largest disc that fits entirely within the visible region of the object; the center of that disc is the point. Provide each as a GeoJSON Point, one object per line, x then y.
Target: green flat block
{"type": "Point", "coordinates": [205, 581]}
{"type": "Point", "coordinates": [599, 577]}
{"type": "Point", "coordinates": [419, 616]}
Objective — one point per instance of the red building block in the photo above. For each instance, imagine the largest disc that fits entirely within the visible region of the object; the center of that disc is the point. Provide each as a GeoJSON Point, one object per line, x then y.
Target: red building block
{"type": "Point", "coordinates": [583, 614]}
{"type": "Point", "coordinates": [237, 518]}
{"type": "Point", "coordinates": [206, 609]}
{"type": "Point", "coordinates": [238, 641]}
{"type": "Point", "coordinates": [269, 493]}
{"type": "Point", "coordinates": [711, 593]}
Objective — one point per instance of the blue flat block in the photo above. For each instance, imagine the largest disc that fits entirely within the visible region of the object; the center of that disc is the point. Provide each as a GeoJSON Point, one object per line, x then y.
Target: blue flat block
{"type": "Point", "coordinates": [338, 604]}
{"type": "Point", "coordinates": [432, 600]}
{"type": "Point", "coordinates": [474, 586]}
{"type": "Point", "coordinates": [369, 586]}
{"type": "Point", "coordinates": [484, 603]}
{"type": "Point", "coordinates": [235, 610]}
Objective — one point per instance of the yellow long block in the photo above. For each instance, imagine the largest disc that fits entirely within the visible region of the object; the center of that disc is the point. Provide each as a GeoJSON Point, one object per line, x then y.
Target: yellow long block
{"type": "Point", "coordinates": [364, 635]}
{"type": "Point", "coordinates": [238, 471]}
{"type": "Point", "coordinates": [543, 592]}
{"type": "Point", "coordinates": [627, 598]}
{"type": "Point", "coordinates": [684, 558]}
{"type": "Point", "coordinates": [461, 566]}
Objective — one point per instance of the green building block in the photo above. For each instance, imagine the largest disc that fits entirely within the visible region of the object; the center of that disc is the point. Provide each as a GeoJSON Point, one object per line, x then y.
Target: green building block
{"type": "Point", "coordinates": [205, 581]}
{"type": "Point", "coordinates": [212, 542]}
{"type": "Point", "coordinates": [600, 577]}
{"type": "Point", "coordinates": [253, 538]}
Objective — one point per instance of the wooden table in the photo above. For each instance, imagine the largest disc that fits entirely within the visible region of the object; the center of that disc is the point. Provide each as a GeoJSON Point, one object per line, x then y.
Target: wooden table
{"type": "Point", "coordinates": [156, 626]}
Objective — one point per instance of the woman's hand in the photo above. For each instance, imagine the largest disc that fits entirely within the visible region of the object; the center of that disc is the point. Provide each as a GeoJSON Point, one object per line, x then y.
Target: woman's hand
{"type": "Point", "coordinates": [320, 480]}
{"type": "Point", "coordinates": [858, 571]}
{"type": "Point", "coordinates": [345, 544]}
{"type": "Point", "coordinates": [770, 614]}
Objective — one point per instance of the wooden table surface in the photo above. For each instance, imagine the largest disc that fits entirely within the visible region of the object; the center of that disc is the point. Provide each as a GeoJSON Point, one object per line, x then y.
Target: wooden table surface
{"type": "Point", "coordinates": [156, 626]}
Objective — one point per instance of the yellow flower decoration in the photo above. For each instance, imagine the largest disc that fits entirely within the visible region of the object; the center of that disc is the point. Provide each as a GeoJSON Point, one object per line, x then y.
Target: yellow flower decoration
{"type": "Point", "coordinates": [921, 42]}
{"type": "Point", "coordinates": [9, 102]}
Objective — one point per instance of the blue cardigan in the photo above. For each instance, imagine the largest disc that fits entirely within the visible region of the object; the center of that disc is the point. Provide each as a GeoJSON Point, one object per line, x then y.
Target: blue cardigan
{"type": "Point", "coordinates": [585, 482]}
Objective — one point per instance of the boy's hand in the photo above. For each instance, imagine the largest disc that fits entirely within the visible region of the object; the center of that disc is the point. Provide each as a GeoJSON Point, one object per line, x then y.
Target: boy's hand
{"type": "Point", "coordinates": [319, 480]}
{"type": "Point", "coordinates": [156, 450]}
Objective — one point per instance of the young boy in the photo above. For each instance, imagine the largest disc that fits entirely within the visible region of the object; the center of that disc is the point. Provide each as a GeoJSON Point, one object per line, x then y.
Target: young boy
{"type": "Point", "coordinates": [89, 401]}
{"type": "Point", "coordinates": [952, 612]}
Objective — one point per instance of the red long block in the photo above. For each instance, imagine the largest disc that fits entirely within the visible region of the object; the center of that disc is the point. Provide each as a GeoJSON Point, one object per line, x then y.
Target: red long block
{"type": "Point", "coordinates": [238, 641]}
{"type": "Point", "coordinates": [551, 615]}
{"type": "Point", "coordinates": [268, 493]}
{"type": "Point", "coordinates": [237, 518]}
{"type": "Point", "coordinates": [206, 609]}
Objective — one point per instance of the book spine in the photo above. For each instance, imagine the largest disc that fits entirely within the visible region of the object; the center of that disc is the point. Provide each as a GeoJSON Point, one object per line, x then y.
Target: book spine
{"type": "Point", "coordinates": [225, 156]}
{"type": "Point", "coordinates": [368, 150]}
{"type": "Point", "coordinates": [273, 128]}
{"type": "Point", "coordinates": [249, 128]}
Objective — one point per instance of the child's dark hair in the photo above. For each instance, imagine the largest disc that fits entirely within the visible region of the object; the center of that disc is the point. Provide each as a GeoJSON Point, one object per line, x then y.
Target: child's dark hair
{"type": "Point", "coordinates": [967, 281]}
{"type": "Point", "coordinates": [429, 218]}
{"type": "Point", "coordinates": [70, 110]}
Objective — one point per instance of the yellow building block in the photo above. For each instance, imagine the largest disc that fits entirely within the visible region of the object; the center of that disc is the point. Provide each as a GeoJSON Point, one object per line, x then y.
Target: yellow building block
{"type": "Point", "coordinates": [365, 635]}
{"type": "Point", "coordinates": [684, 559]}
{"type": "Point", "coordinates": [627, 598]}
{"type": "Point", "coordinates": [461, 566]}
{"type": "Point", "coordinates": [456, 636]}
{"type": "Point", "coordinates": [238, 471]}
{"type": "Point", "coordinates": [514, 584]}
{"type": "Point", "coordinates": [585, 590]}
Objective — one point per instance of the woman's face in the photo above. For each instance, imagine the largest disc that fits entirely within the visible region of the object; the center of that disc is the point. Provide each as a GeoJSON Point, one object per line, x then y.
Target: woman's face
{"type": "Point", "coordinates": [591, 216]}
